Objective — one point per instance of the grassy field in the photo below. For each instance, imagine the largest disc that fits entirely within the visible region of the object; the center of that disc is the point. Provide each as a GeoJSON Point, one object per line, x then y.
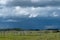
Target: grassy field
{"type": "Point", "coordinates": [28, 35]}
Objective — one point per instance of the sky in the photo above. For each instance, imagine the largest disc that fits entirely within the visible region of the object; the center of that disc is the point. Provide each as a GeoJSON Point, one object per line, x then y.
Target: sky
{"type": "Point", "coordinates": [19, 11]}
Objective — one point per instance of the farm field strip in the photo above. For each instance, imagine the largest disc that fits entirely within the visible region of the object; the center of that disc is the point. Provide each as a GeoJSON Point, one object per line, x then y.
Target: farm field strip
{"type": "Point", "coordinates": [28, 35]}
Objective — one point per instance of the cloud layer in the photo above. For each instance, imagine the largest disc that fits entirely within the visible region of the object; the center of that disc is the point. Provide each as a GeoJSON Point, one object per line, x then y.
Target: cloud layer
{"type": "Point", "coordinates": [29, 8]}
{"type": "Point", "coordinates": [30, 12]}
{"type": "Point", "coordinates": [35, 3]}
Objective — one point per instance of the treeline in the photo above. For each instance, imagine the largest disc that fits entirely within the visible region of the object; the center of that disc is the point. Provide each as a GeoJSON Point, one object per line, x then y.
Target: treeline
{"type": "Point", "coordinates": [20, 29]}
{"type": "Point", "coordinates": [12, 29]}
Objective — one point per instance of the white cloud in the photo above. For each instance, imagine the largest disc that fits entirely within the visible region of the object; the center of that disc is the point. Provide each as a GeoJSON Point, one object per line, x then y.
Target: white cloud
{"type": "Point", "coordinates": [33, 15]}
{"type": "Point", "coordinates": [33, 11]}
{"type": "Point", "coordinates": [49, 27]}
{"type": "Point", "coordinates": [30, 12]}
{"type": "Point", "coordinates": [58, 8]}
{"type": "Point", "coordinates": [37, 11]}
{"type": "Point", "coordinates": [35, 1]}
{"type": "Point", "coordinates": [9, 20]}
{"type": "Point", "coordinates": [21, 11]}
{"type": "Point", "coordinates": [6, 12]}
{"type": "Point", "coordinates": [3, 1]}
{"type": "Point", "coordinates": [55, 14]}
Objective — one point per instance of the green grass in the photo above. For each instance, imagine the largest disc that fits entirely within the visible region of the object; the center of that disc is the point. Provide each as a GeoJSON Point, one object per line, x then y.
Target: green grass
{"type": "Point", "coordinates": [28, 35]}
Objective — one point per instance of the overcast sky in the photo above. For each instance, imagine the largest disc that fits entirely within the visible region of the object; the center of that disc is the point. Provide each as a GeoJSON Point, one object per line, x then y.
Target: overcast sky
{"type": "Point", "coordinates": [29, 8]}
{"type": "Point", "coordinates": [10, 9]}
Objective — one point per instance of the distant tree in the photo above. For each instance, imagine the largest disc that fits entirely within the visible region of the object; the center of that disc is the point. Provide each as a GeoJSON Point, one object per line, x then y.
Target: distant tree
{"type": "Point", "coordinates": [11, 29]}
{"type": "Point", "coordinates": [37, 29]}
{"type": "Point", "coordinates": [17, 29]}
{"type": "Point", "coordinates": [34, 29]}
{"type": "Point", "coordinates": [54, 30]}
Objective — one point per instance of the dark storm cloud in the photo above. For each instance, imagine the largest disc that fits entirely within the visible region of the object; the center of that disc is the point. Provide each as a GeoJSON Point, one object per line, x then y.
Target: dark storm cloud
{"type": "Point", "coordinates": [29, 3]}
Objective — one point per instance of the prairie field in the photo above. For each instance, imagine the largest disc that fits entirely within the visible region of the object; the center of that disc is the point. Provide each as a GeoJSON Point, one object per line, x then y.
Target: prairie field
{"type": "Point", "coordinates": [29, 35]}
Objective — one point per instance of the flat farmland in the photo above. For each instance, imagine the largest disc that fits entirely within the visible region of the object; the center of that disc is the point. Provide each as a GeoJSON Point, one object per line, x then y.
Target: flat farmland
{"type": "Point", "coordinates": [29, 35]}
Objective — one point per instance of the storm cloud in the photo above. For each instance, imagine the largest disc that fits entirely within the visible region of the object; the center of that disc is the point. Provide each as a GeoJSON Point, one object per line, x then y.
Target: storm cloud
{"type": "Point", "coordinates": [34, 3]}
